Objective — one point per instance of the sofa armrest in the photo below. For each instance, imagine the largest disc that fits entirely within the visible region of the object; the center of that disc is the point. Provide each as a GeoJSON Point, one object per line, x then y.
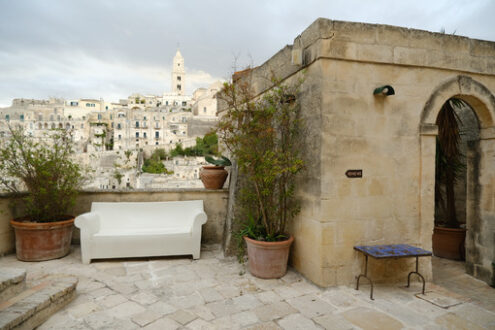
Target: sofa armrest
{"type": "Point", "coordinates": [89, 223]}
{"type": "Point", "coordinates": [200, 219]}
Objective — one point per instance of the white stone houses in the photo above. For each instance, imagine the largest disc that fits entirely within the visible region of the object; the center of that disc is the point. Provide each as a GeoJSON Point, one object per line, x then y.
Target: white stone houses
{"type": "Point", "coordinates": [205, 101]}
{"type": "Point", "coordinates": [139, 123]}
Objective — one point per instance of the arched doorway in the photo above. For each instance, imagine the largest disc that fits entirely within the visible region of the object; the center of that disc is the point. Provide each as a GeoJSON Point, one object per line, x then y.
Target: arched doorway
{"type": "Point", "coordinates": [458, 137]}
{"type": "Point", "coordinates": [480, 173]}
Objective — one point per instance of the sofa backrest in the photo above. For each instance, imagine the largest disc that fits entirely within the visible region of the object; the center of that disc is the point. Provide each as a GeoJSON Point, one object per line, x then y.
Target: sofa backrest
{"type": "Point", "coordinates": [177, 214]}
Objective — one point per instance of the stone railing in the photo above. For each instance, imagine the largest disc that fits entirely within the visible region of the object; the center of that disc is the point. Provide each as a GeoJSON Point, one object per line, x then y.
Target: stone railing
{"type": "Point", "coordinates": [215, 204]}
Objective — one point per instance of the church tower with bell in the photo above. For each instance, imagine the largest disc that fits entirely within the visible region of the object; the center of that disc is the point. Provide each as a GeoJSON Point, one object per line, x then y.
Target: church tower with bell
{"type": "Point", "coordinates": [178, 74]}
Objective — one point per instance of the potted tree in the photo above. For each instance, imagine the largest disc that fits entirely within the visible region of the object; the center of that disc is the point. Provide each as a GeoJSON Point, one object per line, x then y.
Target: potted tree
{"type": "Point", "coordinates": [263, 136]}
{"type": "Point", "coordinates": [43, 173]}
{"type": "Point", "coordinates": [448, 236]}
{"type": "Point", "coordinates": [214, 176]}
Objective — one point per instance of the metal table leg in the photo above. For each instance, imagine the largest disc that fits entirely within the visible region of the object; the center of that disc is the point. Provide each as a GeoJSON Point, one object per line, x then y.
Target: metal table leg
{"type": "Point", "coordinates": [365, 275]}
{"type": "Point", "coordinates": [416, 272]}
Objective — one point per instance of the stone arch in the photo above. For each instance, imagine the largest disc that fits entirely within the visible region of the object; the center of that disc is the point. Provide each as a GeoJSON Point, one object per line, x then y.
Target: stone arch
{"type": "Point", "coordinates": [473, 92]}
{"type": "Point", "coordinates": [480, 208]}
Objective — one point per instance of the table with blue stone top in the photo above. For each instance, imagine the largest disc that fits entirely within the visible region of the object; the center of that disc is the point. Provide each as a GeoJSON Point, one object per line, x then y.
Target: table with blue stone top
{"type": "Point", "coordinates": [387, 252]}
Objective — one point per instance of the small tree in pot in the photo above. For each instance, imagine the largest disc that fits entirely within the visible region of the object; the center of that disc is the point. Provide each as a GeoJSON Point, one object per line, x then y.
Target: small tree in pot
{"type": "Point", "coordinates": [448, 237]}
{"type": "Point", "coordinates": [43, 172]}
{"type": "Point", "coordinates": [263, 136]}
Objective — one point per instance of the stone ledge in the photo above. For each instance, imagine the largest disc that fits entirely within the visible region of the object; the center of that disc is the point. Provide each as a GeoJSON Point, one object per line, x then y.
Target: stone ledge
{"type": "Point", "coordinates": [12, 281]}
{"type": "Point", "coordinates": [32, 307]}
{"type": "Point", "coordinates": [133, 191]}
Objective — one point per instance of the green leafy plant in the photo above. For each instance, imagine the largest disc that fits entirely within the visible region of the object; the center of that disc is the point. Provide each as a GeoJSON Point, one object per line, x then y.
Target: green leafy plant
{"type": "Point", "coordinates": [43, 167]}
{"type": "Point", "coordinates": [154, 164]}
{"type": "Point", "coordinates": [208, 145]}
{"type": "Point", "coordinates": [222, 161]}
{"type": "Point", "coordinates": [263, 136]}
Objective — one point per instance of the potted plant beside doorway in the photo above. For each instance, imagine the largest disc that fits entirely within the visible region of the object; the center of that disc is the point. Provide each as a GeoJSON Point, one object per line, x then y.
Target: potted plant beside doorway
{"type": "Point", "coordinates": [41, 171]}
{"type": "Point", "coordinates": [263, 136]}
{"type": "Point", "coordinates": [448, 236]}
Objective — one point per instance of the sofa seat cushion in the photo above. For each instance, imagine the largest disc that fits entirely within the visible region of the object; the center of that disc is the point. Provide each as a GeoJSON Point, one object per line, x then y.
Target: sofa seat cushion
{"type": "Point", "coordinates": [112, 232]}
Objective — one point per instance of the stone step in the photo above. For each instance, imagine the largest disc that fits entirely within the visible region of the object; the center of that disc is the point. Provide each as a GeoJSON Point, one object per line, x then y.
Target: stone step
{"type": "Point", "coordinates": [12, 282]}
{"type": "Point", "coordinates": [33, 306]}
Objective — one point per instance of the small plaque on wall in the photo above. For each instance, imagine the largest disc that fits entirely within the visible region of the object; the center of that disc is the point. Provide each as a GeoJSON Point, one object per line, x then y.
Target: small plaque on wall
{"type": "Point", "coordinates": [354, 173]}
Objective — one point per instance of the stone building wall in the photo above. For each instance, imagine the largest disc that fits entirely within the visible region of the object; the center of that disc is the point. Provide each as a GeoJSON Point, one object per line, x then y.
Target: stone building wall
{"type": "Point", "coordinates": [392, 139]}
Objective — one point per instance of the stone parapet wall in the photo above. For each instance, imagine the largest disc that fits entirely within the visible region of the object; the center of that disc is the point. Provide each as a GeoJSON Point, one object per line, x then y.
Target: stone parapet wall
{"type": "Point", "coordinates": [215, 204]}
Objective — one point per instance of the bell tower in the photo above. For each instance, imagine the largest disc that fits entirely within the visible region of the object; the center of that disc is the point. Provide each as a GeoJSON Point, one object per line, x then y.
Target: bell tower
{"type": "Point", "coordinates": [178, 74]}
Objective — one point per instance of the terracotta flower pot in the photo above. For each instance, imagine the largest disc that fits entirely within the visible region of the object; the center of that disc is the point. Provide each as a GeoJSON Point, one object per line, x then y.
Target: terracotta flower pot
{"type": "Point", "coordinates": [213, 177]}
{"type": "Point", "coordinates": [449, 243]}
{"type": "Point", "coordinates": [42, 241]}
{"type": "Point", "coordinates": [268, 259]}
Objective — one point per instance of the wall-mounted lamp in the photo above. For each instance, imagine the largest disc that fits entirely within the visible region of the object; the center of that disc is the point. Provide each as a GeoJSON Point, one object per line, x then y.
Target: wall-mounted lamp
{"type": "Point", "coordinates": [384, 90]}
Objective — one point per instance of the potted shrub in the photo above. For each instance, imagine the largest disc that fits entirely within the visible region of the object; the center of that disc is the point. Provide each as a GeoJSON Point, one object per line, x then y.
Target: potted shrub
{"type": "Point", "coordinates": [263, 136]}
{"type": "Point", "coordinates": [448, 236]}
{"type": "Point", "coordinates": [214, 176]}
{"type": "Point", "coordinates": [43, 173]}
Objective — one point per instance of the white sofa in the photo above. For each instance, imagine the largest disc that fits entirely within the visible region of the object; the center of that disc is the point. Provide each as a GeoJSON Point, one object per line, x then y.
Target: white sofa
{"type": "Point", "coordinates": [122, 230]}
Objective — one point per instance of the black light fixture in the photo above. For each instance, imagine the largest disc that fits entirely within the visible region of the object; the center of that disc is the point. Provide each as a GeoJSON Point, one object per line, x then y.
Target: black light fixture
{"type": "Point", "coordinates": [385, 90]}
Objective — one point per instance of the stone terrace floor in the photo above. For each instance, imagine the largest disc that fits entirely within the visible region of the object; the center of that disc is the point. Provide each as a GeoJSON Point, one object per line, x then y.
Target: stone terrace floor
{"type": "Point", "coordinates": [216, 293]}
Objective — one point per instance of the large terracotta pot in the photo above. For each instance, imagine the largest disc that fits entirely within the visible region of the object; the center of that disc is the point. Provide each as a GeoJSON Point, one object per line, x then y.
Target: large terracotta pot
{"type": "Point", "coordinates": [213, 177]}
{"type": "Point", "coordinates": [268, 259]}
{"type": "Point", "coordinates": [449, 243]}
{"type": "Point", "coordinates": [42, 241]}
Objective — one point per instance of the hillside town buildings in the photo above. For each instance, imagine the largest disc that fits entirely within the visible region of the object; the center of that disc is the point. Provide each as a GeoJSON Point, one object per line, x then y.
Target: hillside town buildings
{"type": "Point", "coordinates": [114, 137]}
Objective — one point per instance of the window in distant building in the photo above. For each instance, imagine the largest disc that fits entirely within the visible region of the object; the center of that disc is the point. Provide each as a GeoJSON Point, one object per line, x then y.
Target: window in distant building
{"type": "Point", "coordinates": [178, 78]}
{"type": "Point", "coordinates": [40, 117]}
{"type": "Point", "coordinates": [144, 118]}
{"type": "Point", "coordinates": [184, 103]}
{"type": "Point", "coordinates": [156, 143]}
{"type": "Point", "coordinates": [118, 126]}
{"type": "Point", "coordinates": [144, 135]}
{"type": "Point", "coordinates": [51, 118]}
{"type": "Point", "coordinates": [157, 134]}
{"type": "Point", "coordinates": [21, 117]}
{"type": "Point", "coordinates": [120, 137]}
{"type": "Point", "coordinates": [106, 108]}
{"type": "Point", "coordinates": [204, 109]}
{"type": "Point", "coordinates": [84, 117]}
{"type": "Point", "coordinates": [74, 104]}
{"type": "Point", "coordinates": [111, 116]}
{"type": "Point", "coordinates": [137, 124]}
{"type": "Point", "coordinates": [179, 87]}
{"type": "Point", "coordinates": [113, 124]}
{"type": "Point", "coordinates": [99, 116]}
{"type": "Point", "coordinates": [7, 117]}
{"type": "Point", "coordinates": [88, 105]}
{"type": "Point", "coordinates": [137, 135]}
{"type": "Point", "coordinates": [166, 102]}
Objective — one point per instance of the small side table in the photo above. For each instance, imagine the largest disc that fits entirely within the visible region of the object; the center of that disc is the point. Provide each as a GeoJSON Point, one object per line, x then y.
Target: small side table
{"type": "Point", "coordinates": [387, 252]}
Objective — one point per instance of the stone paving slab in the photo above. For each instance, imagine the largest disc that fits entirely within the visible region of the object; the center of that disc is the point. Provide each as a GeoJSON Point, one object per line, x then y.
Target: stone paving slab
{"type": "Point", "coordinates": [217, 293]}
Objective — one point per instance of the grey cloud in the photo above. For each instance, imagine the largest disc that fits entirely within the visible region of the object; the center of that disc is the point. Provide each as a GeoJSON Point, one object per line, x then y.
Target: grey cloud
{"type": "Point", "coordinates": [47, 46]}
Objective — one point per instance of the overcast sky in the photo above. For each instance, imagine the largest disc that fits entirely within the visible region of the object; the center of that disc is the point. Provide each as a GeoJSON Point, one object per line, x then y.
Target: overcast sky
{"type": "Point", "coordinates": [112, 48]}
